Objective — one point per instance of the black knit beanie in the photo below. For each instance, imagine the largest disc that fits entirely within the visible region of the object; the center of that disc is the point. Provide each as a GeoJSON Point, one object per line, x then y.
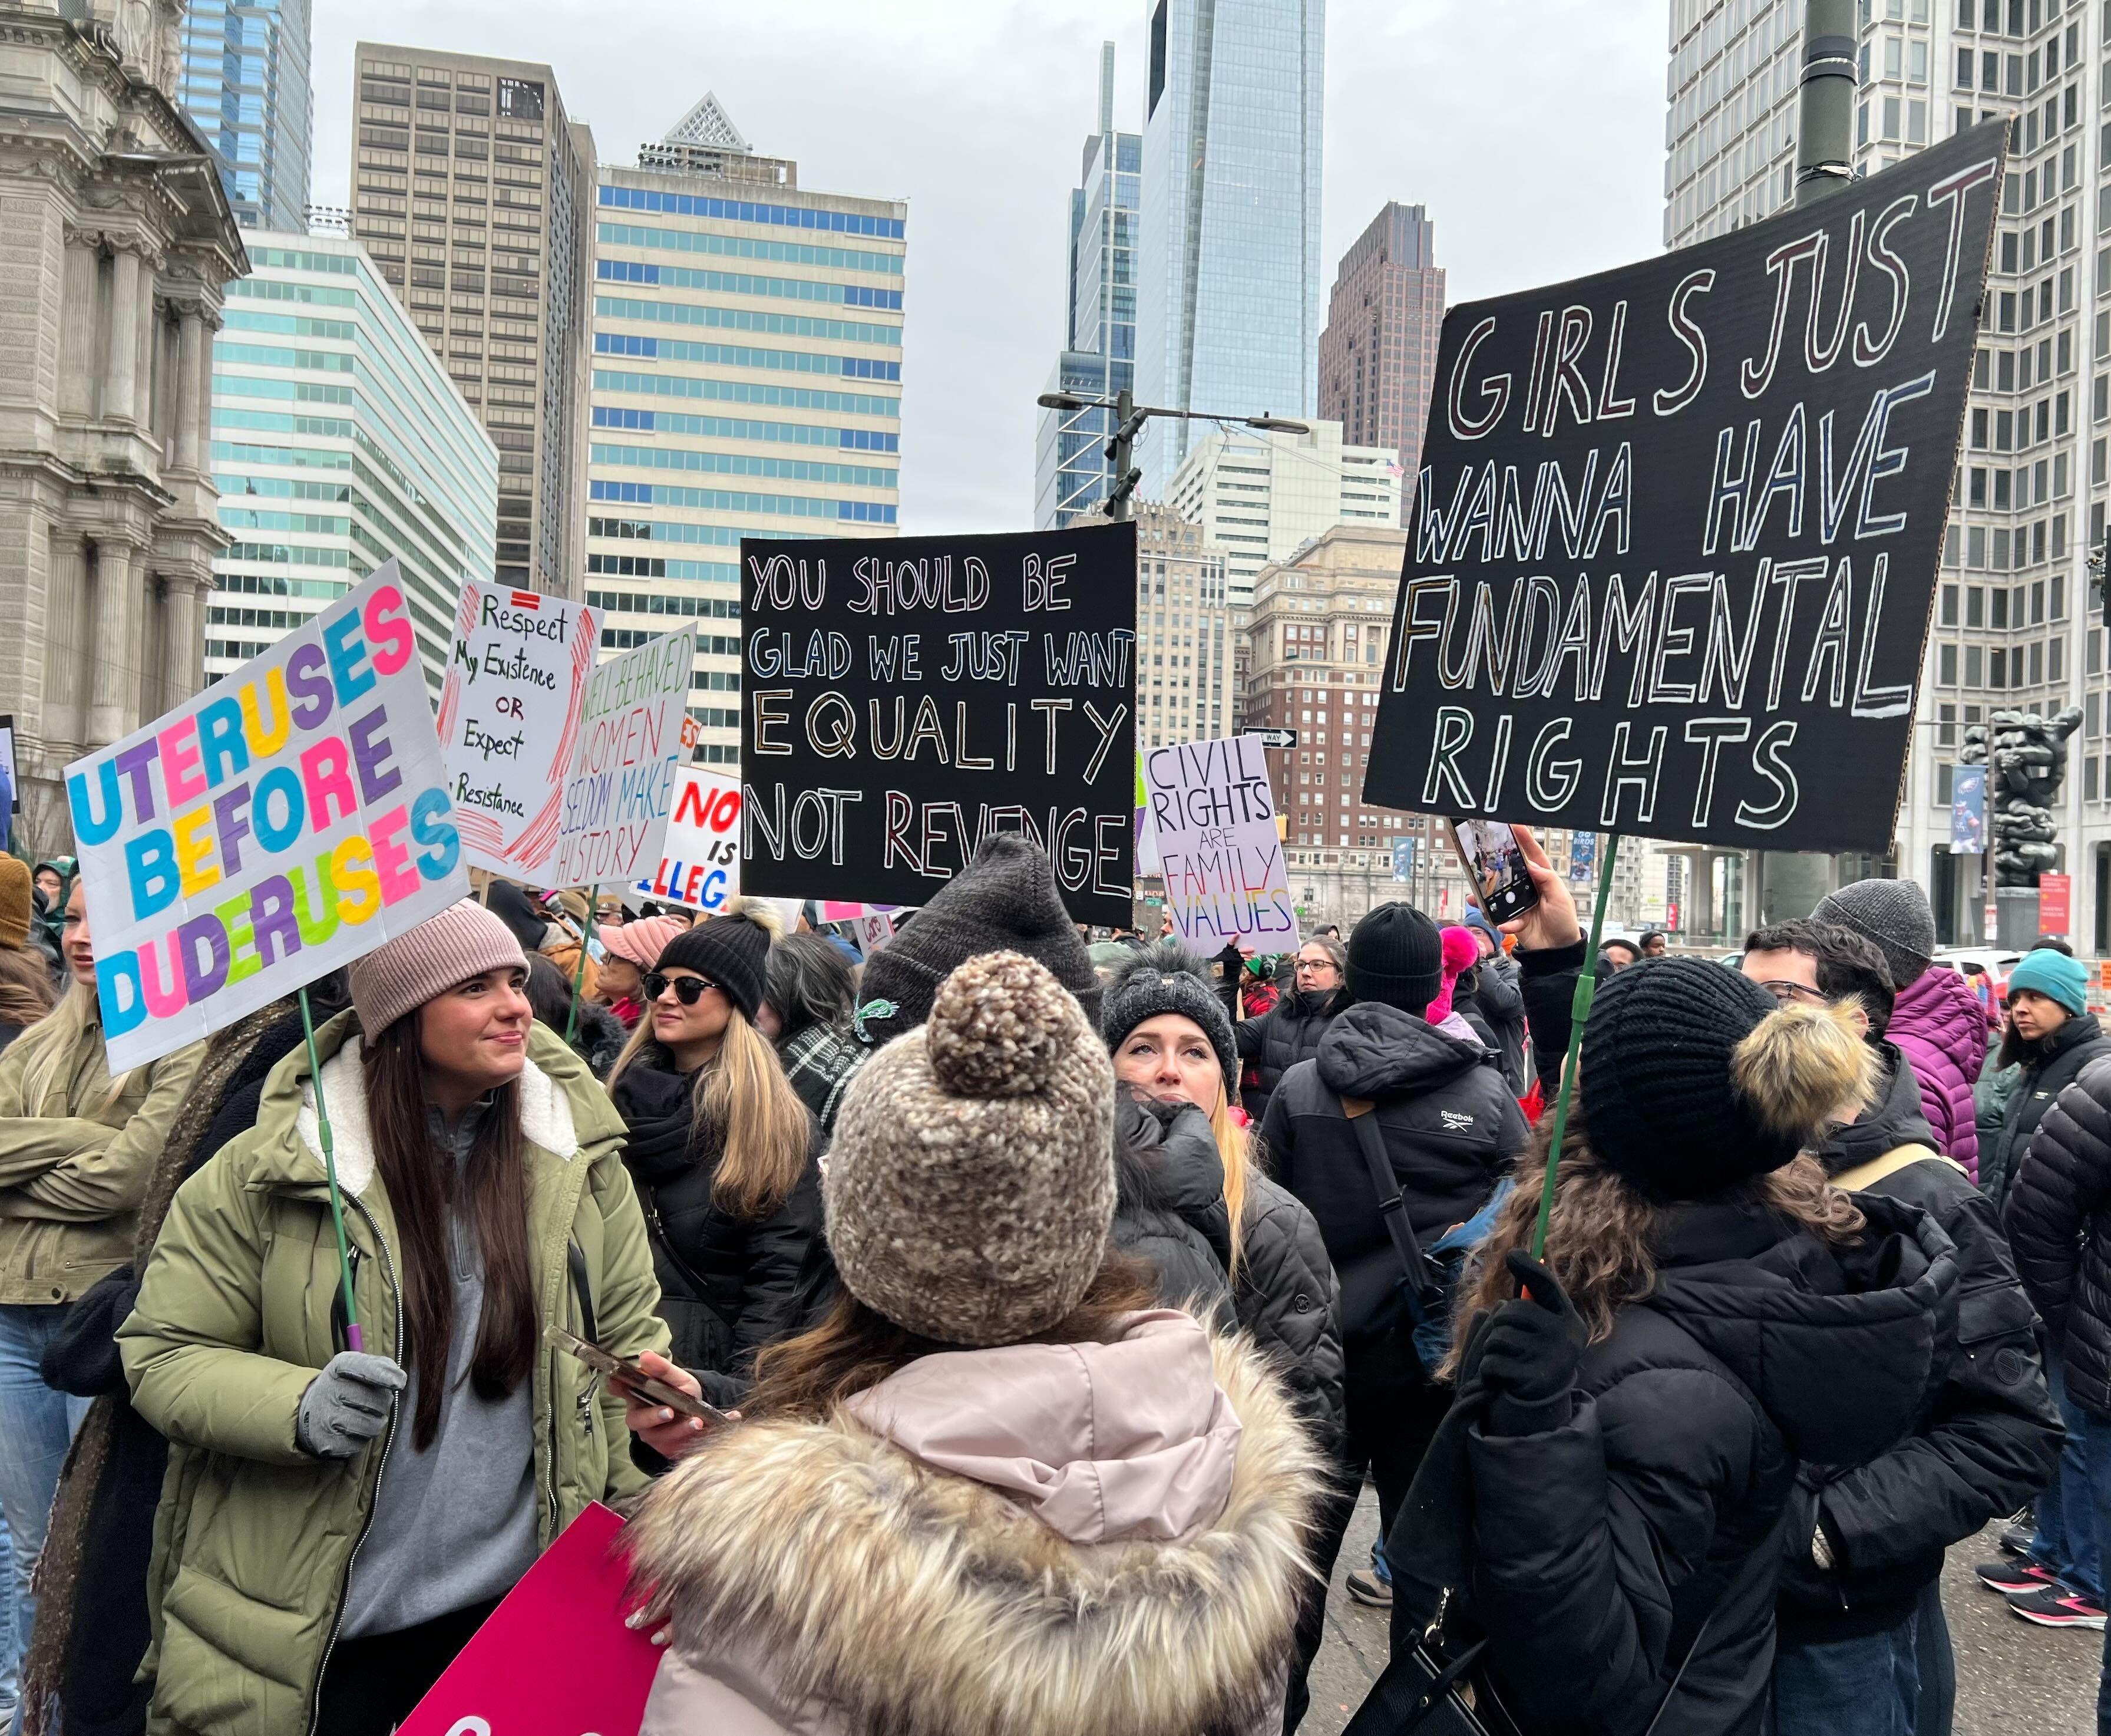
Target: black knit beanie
{"type": "Point", "coordinates": [1004, 900]}
{"type": "Point", "coordinates": [1694, 1079]}
{"type": "Point", "coordinates": [1169, 979]}
{"type": "Point", "coordinates": [1397, 957]}
{"type": "Point", "coordinates": [731, 950]}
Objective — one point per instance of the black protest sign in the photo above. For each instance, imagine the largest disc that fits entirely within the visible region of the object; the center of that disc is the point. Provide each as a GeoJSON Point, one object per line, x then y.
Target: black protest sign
{"type": "Point", "coordinates": [905, 699]}
{"type": "Point", "coordinates": [1673, 551]}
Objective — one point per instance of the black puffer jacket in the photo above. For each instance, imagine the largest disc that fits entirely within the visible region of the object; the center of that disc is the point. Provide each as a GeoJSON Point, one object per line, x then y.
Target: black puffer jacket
{"type": "Point", "coordinates": [1288, 1032]}
{"type": "Point", "coordinates": [729, 1286]}
{"type": "Point", "coordinates": [1985, 1441]}
{"type": "Point", "coordinates": [2049, 1066]}
{"type": "Point", "coordinates": [1490, 993]}
{"type": "Point", "coordinates": [1449, 1126]}
{"type": "Point", "coordinates": [1597, 1551]}
{"type": "Point", "coordinates": [1170, 1210]}
{"type": "Point", "coordinates": [2059, 1224]}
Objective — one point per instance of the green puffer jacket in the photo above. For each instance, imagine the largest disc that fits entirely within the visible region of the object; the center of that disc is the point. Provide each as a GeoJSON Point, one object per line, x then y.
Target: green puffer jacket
{"type": "Point", "coordinates": [240, 1305]}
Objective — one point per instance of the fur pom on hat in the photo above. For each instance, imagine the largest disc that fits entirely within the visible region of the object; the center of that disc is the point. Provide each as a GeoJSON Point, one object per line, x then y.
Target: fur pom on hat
{"type": "Point", "coordinates": [1459, 953]}
{"type": "Point", "coordinates": [1695, 1080]}
{"type": "Point", "coordinates": [971, 1185]}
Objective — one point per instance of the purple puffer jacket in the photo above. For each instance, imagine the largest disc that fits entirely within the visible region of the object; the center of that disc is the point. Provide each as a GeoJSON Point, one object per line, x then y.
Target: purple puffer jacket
{"type": "Point", "coordinates": [1942, 1028]}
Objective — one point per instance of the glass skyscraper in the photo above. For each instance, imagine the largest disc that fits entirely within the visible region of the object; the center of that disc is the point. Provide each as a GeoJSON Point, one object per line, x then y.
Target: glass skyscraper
{"type": "Point", "coordinates": [246, 86]}
{"type": "Point", "coordinates": [1071, 472]}
{"type": "Point", "coordinates": [1228, 298]}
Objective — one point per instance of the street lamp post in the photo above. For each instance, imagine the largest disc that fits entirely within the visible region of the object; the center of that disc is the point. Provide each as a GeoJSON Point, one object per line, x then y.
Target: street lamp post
{"type": "Point", "coordinates": [1129, 419]}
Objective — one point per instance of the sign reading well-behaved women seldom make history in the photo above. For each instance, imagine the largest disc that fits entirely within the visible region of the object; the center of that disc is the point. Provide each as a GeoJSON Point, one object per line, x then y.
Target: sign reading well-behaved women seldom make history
{"type": "Point", "coordinates": [288, 819]}
{"type": "Point", "coordinates": [905, 699]}
{"type": "Point", "coordinates": [619, 786]}
{"type": "Point", "coordinates": [510, 707]}
{"type": "Point", "coordinates": [1673, 549]}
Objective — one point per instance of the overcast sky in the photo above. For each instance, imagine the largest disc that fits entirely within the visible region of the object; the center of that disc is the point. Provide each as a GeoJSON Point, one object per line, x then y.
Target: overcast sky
{"type": "Point", "coordinates": [1532, 129]}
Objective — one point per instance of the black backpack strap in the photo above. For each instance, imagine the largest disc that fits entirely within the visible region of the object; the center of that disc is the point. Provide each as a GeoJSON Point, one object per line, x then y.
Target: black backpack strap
{"type": "Point", "coordinates": [1415, 1684]}
{"type": "Point", "coordinates": [575, 1261]}
{"type": "Point", "coordinates": [1391, 1208]}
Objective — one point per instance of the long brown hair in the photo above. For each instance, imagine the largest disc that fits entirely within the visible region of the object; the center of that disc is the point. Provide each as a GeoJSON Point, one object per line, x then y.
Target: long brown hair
{"type": "Point", "coordinates": [421, 1183]}
{"type": "Point", "coordinates": [856, 1347]}
{"type": "Point", "coordinates": [742, 1094]}
{"type": "Point", "coordinates": [25, 987]}
{"type": "Point", "coordinates": [1598, 1239]}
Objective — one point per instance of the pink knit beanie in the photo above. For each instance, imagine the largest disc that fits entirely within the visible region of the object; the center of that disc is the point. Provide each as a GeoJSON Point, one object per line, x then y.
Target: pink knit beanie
{"type": "Point", "coordinates": [464, 940]}
{"type": "Point", "coordinates": [642, 942]}
{"type": "Point", "coordinates": [1460, 952]}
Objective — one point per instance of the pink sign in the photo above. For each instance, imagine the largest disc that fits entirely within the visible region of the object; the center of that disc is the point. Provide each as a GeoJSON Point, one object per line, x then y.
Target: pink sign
{"type": "Point", "coordinates": [555, 1659]}
{"type": "Point", "coordinates": [2055, 899]}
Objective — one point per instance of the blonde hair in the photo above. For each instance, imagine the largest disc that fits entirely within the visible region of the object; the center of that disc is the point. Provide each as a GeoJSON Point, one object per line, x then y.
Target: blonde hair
{"type": "Point", "coordinates": [1235, 1148]}
{"type": "Point", "coordinates": [48, 1043]}
{"type": "Point", "coordinates": [763, 1126]}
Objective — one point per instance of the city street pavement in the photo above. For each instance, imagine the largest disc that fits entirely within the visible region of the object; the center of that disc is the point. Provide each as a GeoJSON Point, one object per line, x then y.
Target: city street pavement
{"type": "Point", "coordinates": [2012, 1679]}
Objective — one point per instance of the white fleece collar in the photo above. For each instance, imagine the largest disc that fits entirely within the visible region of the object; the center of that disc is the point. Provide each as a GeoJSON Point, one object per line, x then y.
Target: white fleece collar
{"type": "Point", "coordinates": [545, 1116]}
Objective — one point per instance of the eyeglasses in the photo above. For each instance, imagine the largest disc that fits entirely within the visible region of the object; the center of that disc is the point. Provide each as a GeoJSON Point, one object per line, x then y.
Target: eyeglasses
{"type": "Point", "coordinates": [1788, 993]}
{"type": "Point", "coordinates": [688, 990]}
{"type": "Point", "coordinates": [1315, 964]}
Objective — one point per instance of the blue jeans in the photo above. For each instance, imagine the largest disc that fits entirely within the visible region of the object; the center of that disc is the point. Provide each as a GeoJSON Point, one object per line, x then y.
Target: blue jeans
{"type": "Point", "coordinates": [1865, 1687]}
{"type": "Point", "coordinates": [7, 1671]}
{"type": "Point", "coordinates": [2066, 1542]}
{"type": "Point", "coordinates": [37, 1423]}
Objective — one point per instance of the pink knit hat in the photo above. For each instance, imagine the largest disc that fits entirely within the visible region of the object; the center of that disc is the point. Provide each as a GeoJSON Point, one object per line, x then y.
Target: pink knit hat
{"type": "Point", "coordinates": [642, 942]}
{"type": "Point", "coordinates": [464, 940]}
{"type": "Point", "coordinates": [1460, 952]}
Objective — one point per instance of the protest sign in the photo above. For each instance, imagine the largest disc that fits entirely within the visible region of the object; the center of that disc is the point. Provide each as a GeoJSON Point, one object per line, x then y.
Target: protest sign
{"type": "Point", "coordinates": [1674, 546]}
{"type": "Point", "coordinates": [700, 856]}
{"type": "Point", "coordinates": [288, 819]}
{"type": "Point", "coordinates": [875, 928]}
{"type": "Point", "coordinates": [905, 699]}
{"type": "Point", "coordinates": [509, 721]}
{"type": "Point", "coordinates": [10, 782]}
{"type": "Point", "coordinates": [619, 782]}
{"type": "Point", "coordinates": [2055, 904]}
{"type": "Point", "coordinates": [555, 1658]}
{"type": "Point", "coordinates": [1215, 818]}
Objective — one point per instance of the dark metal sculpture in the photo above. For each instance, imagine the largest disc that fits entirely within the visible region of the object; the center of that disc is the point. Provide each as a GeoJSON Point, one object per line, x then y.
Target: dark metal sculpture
{"type": "Point", "coordinates": [2025, 754]}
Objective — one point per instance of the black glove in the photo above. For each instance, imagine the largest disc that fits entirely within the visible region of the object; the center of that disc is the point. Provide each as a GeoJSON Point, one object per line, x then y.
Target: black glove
{"type": "Point", "coordinates": [1530, 1353]}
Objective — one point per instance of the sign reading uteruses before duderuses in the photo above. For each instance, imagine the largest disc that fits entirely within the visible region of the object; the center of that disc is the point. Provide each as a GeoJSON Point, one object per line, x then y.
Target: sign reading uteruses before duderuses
{"type": "Point", "coordinates": [290, 818]}
{"type": "Point", "coordinates": [905, 699]}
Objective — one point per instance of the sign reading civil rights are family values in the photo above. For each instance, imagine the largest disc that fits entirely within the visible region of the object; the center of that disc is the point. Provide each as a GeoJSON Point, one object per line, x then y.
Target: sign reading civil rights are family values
{"type": "Point", "coordinates": [904, 699]}
{"type": "Point", "coordinates": [288, 819]}
{"type": "Point", "coordinates": [618, 785]}
{"type": "Point", "coordinates": [1213, 817]}
{"type": "Point", "coordinates": [1674, 548]}
{"type": "Point", "coordinates": [509, 709]}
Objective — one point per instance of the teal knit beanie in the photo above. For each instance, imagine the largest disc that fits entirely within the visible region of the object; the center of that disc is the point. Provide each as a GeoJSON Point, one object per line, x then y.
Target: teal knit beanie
{"type": "Point", "coordinates": [2055, 976]}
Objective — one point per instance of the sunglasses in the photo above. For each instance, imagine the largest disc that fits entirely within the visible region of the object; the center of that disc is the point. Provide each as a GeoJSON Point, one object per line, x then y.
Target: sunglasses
{"type": "Point", "coordinates": [688, 990]}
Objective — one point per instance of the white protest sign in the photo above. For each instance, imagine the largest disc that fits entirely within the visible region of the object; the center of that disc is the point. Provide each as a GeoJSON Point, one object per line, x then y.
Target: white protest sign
{"type": "Point", "coordinates": [875, 928]}
{"type": "Point", "coordinates": [509, 721]}
{"type": "Point", "coordinates": [700, 856]}
{"type": "Point", "coordinates": [288, 819]}
{"type": "Point", "coordinates": [1225, 877]}
{"type": "Point", "coordinates": [619, 783]}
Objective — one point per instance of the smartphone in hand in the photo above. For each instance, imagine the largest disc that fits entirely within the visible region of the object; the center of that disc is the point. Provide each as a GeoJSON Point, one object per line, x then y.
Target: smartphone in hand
{"type": "Point", "coordinates": [1494, 861]}
{"type": "Point", "coordinates": [628, 1376]}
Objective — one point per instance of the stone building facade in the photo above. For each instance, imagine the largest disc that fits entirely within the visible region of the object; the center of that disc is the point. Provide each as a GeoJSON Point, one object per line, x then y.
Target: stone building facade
{"type": "Point", "coordinates": [116, 241]}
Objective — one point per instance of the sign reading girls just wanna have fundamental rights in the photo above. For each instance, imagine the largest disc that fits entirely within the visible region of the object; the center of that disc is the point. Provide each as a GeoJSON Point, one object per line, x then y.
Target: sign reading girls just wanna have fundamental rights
{"type": "Point", "coordinates": [290, 818]}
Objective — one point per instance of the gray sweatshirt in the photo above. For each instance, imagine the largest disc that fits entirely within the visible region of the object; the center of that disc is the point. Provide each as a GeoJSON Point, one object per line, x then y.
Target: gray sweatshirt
{"type": "Point", "coordinates": [455, 1524]}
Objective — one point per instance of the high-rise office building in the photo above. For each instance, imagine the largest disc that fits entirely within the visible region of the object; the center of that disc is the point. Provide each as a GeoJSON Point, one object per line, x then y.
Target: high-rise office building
{"type": "Point", "coordinates": [1377, 354]}
{"type": "Point", "coordinates": [2012, 625]}
{"type": "Point", "coordinates": [1261, 497]}
{"type": "Point", "coordinates": [1227, 291]}
{"type": "Point", "coordinates": [746, 381]}
{"type": "Point", "coordinates": [119, 242]}
{"type": "Point", "coordinates": [337, 441]}
{"type": "Point", "coordinates": [245, 82]}
{"type": "Point", "coordinates": [1183, 632]}
{"type": "Point", "coordinates": [474, 194]}
{"type": "Point", "coordinates": [1072, 473]}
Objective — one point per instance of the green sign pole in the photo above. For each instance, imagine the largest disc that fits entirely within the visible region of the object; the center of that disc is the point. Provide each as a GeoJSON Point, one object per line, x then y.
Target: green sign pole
{"type": "Point", "coordinates": [1579, 1011]}
{"type": "Point", "coordinates": [352, 1334]}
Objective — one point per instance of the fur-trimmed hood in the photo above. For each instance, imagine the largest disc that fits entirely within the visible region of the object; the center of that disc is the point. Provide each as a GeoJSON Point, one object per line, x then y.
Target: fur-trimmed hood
{"type": "Point", "coordinates": [984, 1551]}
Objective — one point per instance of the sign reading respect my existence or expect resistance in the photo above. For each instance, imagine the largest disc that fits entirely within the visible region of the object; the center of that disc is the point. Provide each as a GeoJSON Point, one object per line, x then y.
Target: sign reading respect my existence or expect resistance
{"type": "Point", "coordinates": [905, 699]}
{"type": "Point", "coordinates": [509, 722]}
{"type": "Point", "coordinates": [290, 818]}
{"type": "Point", "coordinates": [1214, 816]}
{"type": "Point", "coordinates": [619, 783]}
{"type": "Point", "coordinates": [1674, 548]}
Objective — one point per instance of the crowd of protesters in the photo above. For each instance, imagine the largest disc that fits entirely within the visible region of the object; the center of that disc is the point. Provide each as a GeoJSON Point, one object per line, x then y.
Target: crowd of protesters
{"type": "Point", "coordinates": [1064, 1298]}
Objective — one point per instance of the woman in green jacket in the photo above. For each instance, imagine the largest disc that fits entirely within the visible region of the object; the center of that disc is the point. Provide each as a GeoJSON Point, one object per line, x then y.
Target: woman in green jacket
{"type": "Point", "coordinates": [335, 1525]}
